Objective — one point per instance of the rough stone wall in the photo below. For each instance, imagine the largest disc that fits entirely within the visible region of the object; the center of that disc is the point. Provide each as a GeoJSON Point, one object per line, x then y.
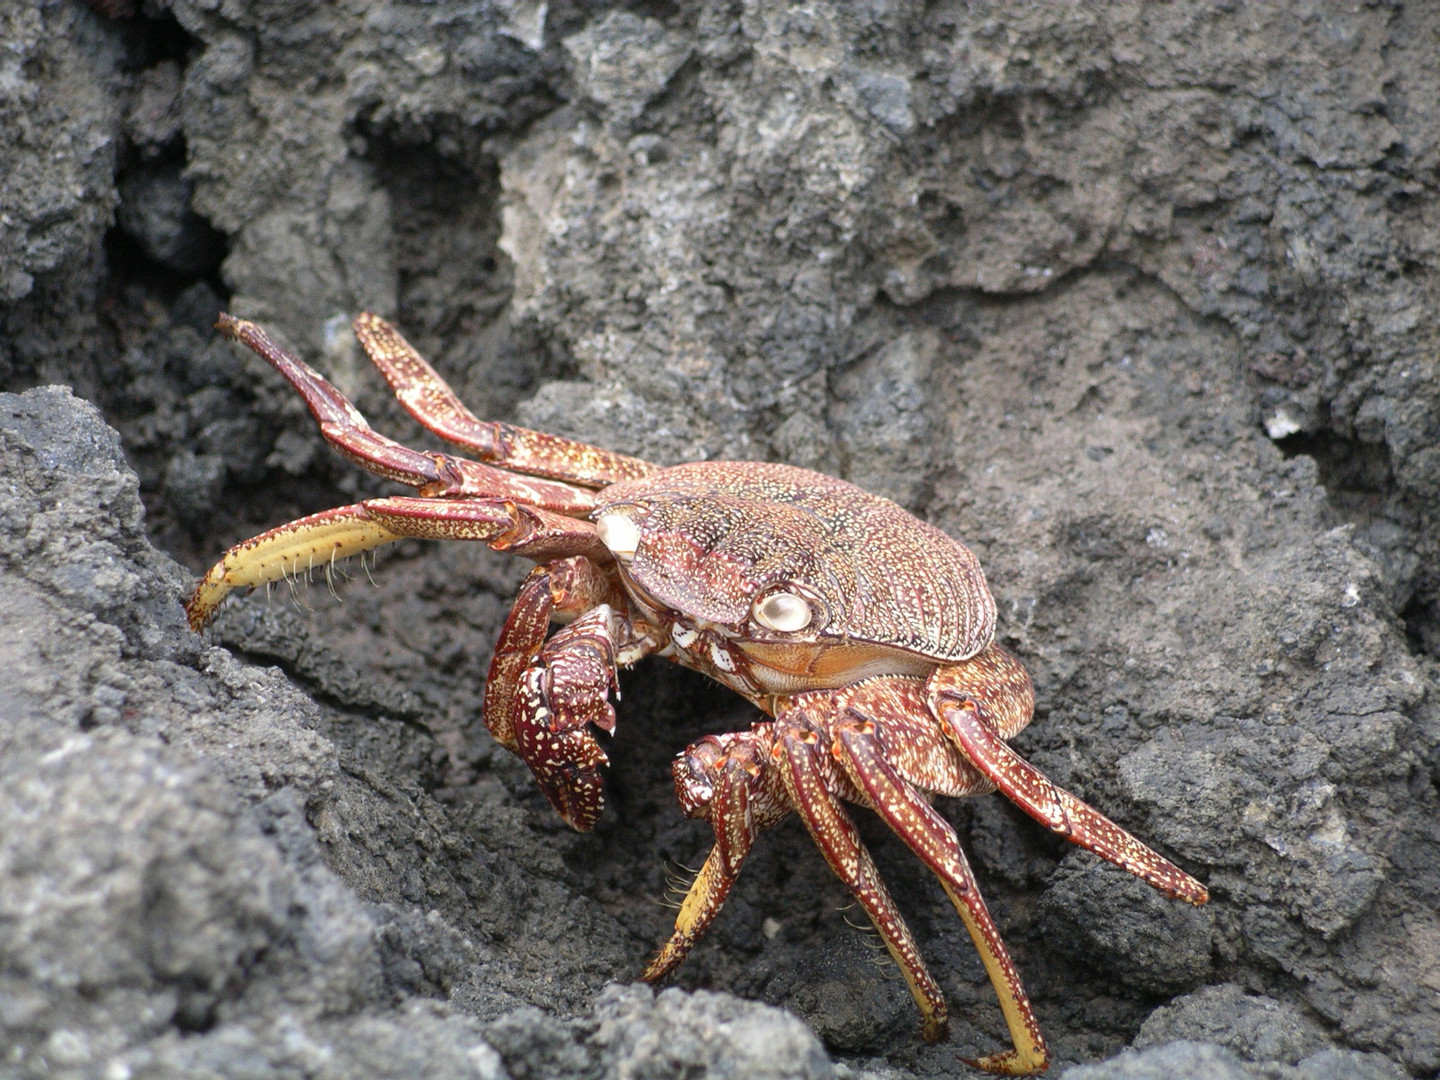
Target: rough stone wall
{"type": "Point", "coordinates": [1139, 301]}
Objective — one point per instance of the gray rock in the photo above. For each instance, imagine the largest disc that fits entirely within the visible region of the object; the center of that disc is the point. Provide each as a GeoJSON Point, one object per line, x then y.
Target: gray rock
{"type": "Point", "coordinates": [155, 211]}
{"type": "Point", "coordinates": [1125, 929]}
{"type": "Point", "coordinates": [60, 112]}
{"type": "Point", "coordinates": [1349, 1065]}
{"type": "Point", "coordinates": [1136, 302]}
{"type": "Point", "coordinates": [1257, 1028]}
{"type": "Point", "coordinates": [635, 1032]}
{"type": "Point", "coordinates": [1163, 1062]}
{"type": "Point", "coordinates": [624, 61]}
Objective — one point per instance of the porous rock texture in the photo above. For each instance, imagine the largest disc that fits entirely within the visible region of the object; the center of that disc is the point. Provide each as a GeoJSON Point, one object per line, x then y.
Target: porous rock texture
{"type": "Point", "coordinates": [1137, 300]}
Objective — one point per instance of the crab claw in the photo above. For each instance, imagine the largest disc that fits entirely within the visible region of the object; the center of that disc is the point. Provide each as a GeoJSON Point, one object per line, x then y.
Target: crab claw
{"type": "Point", "coordinates": [561, 695]}
{"type": "Point", "coordinates": [554, 739]}
{"type": "Point", "coordinates": [696, 770]}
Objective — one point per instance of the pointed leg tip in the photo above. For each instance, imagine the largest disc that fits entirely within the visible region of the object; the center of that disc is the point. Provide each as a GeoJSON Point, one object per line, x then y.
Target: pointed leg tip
{"type": "Point", "coordinates": [666, 960]}
{"type": "Point", "coordinates": [197, 617]}
{"type": "Point", "coordinates": [1174, 883]}
{"type": "Point", "coordinates": [204, 602]}
{"type": "Point", "coordinates": [1028, 1062]}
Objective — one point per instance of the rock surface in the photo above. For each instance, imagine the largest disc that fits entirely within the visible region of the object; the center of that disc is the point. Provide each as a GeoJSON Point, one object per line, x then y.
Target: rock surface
{"type": "Point", "coordinates": [1139, 301]}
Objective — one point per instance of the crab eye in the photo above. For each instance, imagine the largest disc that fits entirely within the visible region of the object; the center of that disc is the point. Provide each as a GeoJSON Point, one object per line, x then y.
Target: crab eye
{"type": "Point", "coordinates": [783, 612]}
{"type": "Point", "coordinates": [619, 534]}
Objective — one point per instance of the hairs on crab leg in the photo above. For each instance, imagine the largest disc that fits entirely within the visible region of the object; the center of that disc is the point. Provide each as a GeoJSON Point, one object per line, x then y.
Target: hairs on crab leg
{"type": "Point", "coordinates": [280, 553]}
{"type": "Point", "coordinates": [726, 780]}
{"type": "Point", "coordinates": [679, 880]}
{"type": "Point", "coordinates": [528, 516]}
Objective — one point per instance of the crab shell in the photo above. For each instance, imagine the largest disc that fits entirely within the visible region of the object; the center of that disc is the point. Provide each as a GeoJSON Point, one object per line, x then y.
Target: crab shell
{"type": "Point", "coordinates": [702, 547]}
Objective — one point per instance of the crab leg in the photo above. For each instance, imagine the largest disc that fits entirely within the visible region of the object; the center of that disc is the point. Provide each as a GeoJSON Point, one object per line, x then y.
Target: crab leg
{"type": "Point", "coordinates": [285, 553]}
{"type": "Point", "coordinates": [724, 779]}
{"type": "Point", "coordinates": [429, 400]}
{"type": "Point", "coordinates": [909, 739]}
{"type": "Point", "coordinates": [931, 837]}
{"type": "Point", "coordinates": [706, 896]}
{"type": "Point", "coordinates": [434, 474]}
{"type": "Point", "coordinates": [321, 539]}
{"type": "Point", "coordinates": [513, 528]}
{"type": "Point", "coordinates": [836, 837]}
{"type": "Point", "coordinates": [998, 685]}
{"type": "Point", "coordinates": [958, 702]}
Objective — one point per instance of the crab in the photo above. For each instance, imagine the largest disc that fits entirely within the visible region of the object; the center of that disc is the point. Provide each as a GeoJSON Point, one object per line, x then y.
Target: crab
{"type": "Point", "coordinates": [865, 636]}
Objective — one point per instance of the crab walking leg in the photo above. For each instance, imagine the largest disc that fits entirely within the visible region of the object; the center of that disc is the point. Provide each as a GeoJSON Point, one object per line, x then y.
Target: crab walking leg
{"type": "Point", "coordinates": [930, 836]}
{"type": "Point", "coordinates": [836, 837]}
{"type": "Point", "coordinates": [998, 685]}
{"type": "Point", "coordinates": [906, 735]}
{"type": "Point", "coordinates": [953, 700]}
{"type": "Point", "coordinates": [434, 474]}
{"type": "Point", "coordinates": [321, 539]}
{"type": "Point", "coordinates": [286, 552]}
{"type": "Point", "coordinates": [429, 400]}
{"type": "Point", "coordinates": [723, 778]}
{"type": "Point", "coordinates": [506, 526]}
